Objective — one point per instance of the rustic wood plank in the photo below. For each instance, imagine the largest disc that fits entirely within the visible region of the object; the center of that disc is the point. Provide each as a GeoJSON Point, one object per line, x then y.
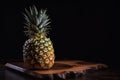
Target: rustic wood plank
{"type": "Point", "coordinates": [60, 69]}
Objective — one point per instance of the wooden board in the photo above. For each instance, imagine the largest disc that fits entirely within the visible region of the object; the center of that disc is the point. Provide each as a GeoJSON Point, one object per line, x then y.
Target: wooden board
{"type": "Point", "coordinates": [60, 69]}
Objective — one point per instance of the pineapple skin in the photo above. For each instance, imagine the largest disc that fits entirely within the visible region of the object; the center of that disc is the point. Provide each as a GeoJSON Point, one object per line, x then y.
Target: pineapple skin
{"type": "Point", "coordinates": [38, 52]}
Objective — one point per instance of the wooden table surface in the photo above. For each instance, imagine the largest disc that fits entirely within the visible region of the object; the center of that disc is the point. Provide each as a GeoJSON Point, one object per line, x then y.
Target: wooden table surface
{"type": "Point", "coordinates": [61, 69]}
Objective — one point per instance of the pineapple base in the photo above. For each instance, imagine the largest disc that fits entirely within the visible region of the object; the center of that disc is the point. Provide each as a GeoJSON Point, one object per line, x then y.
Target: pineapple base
{"type": "Point", "coordinates": [37, 66]}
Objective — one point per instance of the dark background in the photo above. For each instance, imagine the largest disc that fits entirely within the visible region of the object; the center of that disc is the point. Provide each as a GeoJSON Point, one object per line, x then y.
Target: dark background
{"type": "Point", "coordinates": [80, 30]}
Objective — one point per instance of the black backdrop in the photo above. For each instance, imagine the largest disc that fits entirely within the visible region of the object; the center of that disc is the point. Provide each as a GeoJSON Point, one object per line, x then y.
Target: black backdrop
{"type": "Point", "coordinates": [79, 31]}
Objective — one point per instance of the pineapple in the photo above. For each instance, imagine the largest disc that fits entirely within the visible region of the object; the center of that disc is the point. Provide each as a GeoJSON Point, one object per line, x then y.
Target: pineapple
{"type": "Point", "coordinates": [38, 51]}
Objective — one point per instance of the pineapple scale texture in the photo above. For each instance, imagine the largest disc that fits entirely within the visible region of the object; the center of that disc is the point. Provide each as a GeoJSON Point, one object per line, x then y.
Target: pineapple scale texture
{"type": "Point", "coordinates": [39, 50]}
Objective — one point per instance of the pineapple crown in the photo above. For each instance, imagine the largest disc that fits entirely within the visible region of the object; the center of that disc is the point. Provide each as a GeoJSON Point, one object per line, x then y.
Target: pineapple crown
{"type": "Point", "coordinates": [36, 21]}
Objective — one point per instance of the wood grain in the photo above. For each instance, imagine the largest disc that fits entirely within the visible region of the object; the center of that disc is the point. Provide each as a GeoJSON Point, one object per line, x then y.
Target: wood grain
{"type": "Point", "coordinates": [61, 69]}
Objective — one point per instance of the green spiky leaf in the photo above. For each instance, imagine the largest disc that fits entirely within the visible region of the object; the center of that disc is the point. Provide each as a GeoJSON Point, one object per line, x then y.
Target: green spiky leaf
{"type": "Point", "coordinates": [36, 21]}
